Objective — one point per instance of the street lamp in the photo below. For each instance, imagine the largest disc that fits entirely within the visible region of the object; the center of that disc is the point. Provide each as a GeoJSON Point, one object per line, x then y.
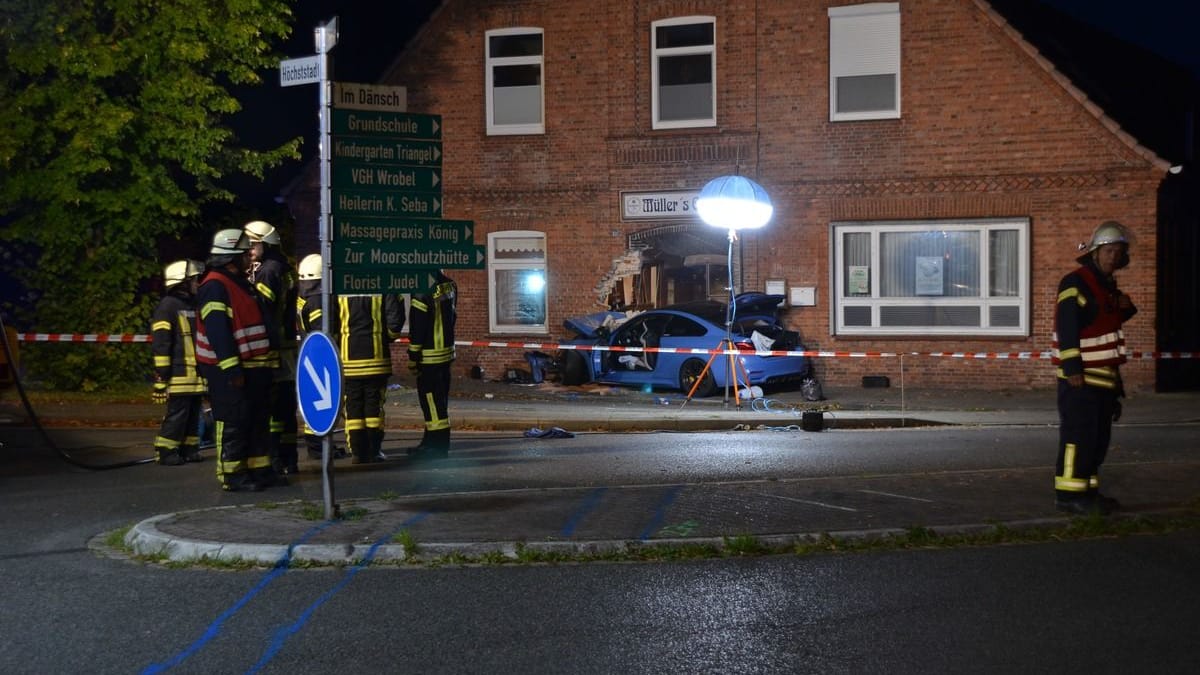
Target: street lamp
{"type": "Point", "coordinates": [733, 203]}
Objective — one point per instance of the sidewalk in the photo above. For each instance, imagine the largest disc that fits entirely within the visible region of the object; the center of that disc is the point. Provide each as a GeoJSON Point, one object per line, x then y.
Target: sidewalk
{"type": "Point", "coordinates": [623, 518]}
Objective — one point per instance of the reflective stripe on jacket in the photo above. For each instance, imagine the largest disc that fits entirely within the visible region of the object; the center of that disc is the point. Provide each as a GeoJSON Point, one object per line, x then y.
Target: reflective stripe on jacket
{"type": "Point", "coordinates": [231, 331]}
{"type": "Point", "coordinates": [431, 324]}
{"type": "Point", "coordinates": [1088, 339]}
{"type": "Point", "coordinates": [172, 327]}
{"type": "Point", "coordinates": [366, 325]}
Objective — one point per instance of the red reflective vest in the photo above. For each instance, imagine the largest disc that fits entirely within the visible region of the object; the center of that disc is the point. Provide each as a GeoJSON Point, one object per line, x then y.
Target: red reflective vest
{"type": "Point", "coordinates": [249, 331]}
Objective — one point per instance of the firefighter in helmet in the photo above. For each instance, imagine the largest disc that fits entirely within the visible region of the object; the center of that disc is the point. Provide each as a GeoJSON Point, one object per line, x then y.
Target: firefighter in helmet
{"type": "Point", "coordinates": [273, 279]}
{"type": "Point", "coordinates": [236, 355]}
{"type": "Point", "coordinates": [176, 380]}
{"type": "Point", "coordinates": [1089, 347]}
{"type": "Point", "coordinates": [430, 355]}
{"type": "Point", "coordinates": [308, 318]}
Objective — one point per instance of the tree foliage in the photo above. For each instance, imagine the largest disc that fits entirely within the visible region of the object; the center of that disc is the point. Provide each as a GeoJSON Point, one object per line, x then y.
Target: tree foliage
{"type": "Point", "coordinates": [115, 116]}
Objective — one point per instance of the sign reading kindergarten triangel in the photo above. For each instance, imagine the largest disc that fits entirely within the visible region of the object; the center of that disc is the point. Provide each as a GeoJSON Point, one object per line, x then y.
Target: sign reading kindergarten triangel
{"type": "Point", "coordinates": [386, 189]}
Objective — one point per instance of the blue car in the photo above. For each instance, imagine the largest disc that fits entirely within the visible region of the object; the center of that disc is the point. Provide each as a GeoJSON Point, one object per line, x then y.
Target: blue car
{"type": "Point", "coordinates": [694, 325]}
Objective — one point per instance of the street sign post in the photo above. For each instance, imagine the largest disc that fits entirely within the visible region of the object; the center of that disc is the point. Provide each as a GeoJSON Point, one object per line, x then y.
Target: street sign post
{"type": "Point", "coordinates": [315, 70]}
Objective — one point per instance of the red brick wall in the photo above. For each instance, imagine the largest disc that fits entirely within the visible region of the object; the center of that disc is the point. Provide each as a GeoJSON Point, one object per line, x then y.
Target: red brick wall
{"type": "Point", "coordinates": [985, 132]}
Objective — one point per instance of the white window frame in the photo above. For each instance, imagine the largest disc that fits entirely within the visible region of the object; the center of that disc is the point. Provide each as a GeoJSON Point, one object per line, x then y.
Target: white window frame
{"type": "Point", "coordinates": [864, 40]}
{"type": "Point", "coordinates": [656, 53]}
{"type": "Point", "coordinates": [490, 64]}
{"type": "Point", "coordinates": [985, 301]}
{"type": "Point", "coordinates": [498, 263]}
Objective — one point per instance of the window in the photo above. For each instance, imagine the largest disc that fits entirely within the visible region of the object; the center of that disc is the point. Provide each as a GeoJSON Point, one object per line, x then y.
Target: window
{"type": "Point", "coordinates": [684, 72]}
{"type": "Point", "coordinates": [864, 62]}
{"type": "Point", "coordinates": [517, 282]}
{"type": "Point", "coordinates": [932, 278]}
{"type": "Point", "coordinates": [515, 102]}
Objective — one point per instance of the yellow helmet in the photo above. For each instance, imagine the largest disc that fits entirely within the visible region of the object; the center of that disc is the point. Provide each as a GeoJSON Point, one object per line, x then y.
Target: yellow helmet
{"type": "Point", "coordinates": [181, 270]}
{"type": "Point", "coordinates": [261, 230]}
{"type": "Point", "coordinates": [310, 267]}
{"type": "Point", "coordinates": [1108, 232]}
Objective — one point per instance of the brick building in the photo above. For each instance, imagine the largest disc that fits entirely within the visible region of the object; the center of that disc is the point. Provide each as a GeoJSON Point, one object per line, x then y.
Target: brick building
{"type": "Point", "coordinates": [931, 174]}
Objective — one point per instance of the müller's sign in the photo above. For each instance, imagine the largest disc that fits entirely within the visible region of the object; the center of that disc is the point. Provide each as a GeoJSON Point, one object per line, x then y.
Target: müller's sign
{"type": "Point", "coordinates": [658, 205]}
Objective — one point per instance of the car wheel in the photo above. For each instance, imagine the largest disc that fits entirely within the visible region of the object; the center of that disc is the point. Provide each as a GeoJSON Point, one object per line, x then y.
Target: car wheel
{"type": "Point", "coordinates": [574, 369]}
{"type": "Point", "coordinates": [689, 372]}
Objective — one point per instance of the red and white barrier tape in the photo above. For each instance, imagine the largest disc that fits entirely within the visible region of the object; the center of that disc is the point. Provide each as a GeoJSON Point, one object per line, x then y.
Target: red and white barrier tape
{"type": "Point", "coordinates": [79, 337]}
{"type": "Point", "coordinates": [1133, 355]}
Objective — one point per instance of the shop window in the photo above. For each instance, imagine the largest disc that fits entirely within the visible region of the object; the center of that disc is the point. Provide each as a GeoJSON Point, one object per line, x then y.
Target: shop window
{"type": "Point", "coordinates": [932, 278]}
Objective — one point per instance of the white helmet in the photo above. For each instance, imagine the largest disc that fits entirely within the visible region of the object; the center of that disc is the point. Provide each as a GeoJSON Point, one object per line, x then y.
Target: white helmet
{"type": "Point", "coordinates": [1108, 232]}
{"type": "Point", "coordinates": [261, 230]}
{"type": "Point", "coordinates": [229, 242]}
{"type": "Point", "coordinates": [310, 267]}
{"type": "Point", "coordinates": [181, 270]}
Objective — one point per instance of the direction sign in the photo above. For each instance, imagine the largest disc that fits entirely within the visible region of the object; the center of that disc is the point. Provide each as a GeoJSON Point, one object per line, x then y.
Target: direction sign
{"type": "Point", "coordinates": [319, 383]}
{"type": "Point", "coordinates": [394, 230]}
{"type": "Point", "coordinates": [400, 151]}
{"type": "Point", "coordinates": [386, 124]}
{"type": "Point", "coordinates": [306, 70]}
{"type": "Point", "coordinates": [376, 280]}
{"type": "Point", "coordinates": [387, 204]}
{"type": "Point", "coordinates": [405, 254]}
{"type": "Point", "coordinates": [370, 96]}
{"type": "Point", "coordinates": [379, 177]}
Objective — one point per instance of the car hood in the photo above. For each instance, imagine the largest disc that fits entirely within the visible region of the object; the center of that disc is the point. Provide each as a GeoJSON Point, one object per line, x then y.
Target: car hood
{"type": "Point", "coordinates": [589, 325]}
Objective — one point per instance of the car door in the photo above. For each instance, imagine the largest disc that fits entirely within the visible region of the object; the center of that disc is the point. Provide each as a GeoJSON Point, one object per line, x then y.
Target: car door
{"type": "Point", "coordinates": [635, 366]}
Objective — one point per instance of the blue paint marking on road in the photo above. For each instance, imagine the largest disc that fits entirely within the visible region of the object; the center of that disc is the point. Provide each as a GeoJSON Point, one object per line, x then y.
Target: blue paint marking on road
{"type": "Point", "coordinates": [214, 629]}
{"type": "Point", "coordinates": [285, 632]}
{"type": "Point", "coordinates": [660, 513]}
{"type": "Point", "coordinates": [589, 503]}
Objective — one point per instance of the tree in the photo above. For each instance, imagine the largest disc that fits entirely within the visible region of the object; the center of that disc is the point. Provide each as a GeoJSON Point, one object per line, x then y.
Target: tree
{"type": "Point", "coordinates": [115, 136]}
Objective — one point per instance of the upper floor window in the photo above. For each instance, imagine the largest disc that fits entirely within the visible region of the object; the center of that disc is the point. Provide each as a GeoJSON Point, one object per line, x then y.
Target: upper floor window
{"type": "Point", "coordinates": [515, 91]}
{"type": "Point", "coordinates": [684, 72]}
{"type": "Point", "coordinates": [517, 282]}
{"type": "Point", "coordinates": [932, 278]}
{"type": "Point", "coordinates": [864, 61]}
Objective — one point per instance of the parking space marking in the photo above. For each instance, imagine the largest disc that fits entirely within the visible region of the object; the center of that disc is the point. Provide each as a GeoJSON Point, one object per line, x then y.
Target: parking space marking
{"type": "Point", "coordinates": [805, 501]}
{"type": "Point", "coordinates": [660, 512]}
{"type": "Point", "coordinates": [589, 504]}
{"type": "Point", "coordinates": [889, 494]}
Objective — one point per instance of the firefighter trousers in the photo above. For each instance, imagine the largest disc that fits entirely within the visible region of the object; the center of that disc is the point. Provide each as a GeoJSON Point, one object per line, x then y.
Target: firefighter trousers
{"type": "Point", "coordinates": [433, 392]}
{"type": "Point", "coordinates": [242, 419]}
{"type": "Point", "coordinates": [180, 428]}
{"type": "Point", "coordinates": [1085, 429]}
{"type": "Point", "coordinates": [364, 415]}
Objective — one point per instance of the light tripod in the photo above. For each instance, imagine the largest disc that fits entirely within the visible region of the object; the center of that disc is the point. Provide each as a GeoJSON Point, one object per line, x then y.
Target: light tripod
{"type": "Point", "coordinates": [726, 346]}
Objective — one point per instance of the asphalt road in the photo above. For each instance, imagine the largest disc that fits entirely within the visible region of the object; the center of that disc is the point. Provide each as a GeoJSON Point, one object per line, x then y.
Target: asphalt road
{"type": "Point", "coordinates": [1115, 605]}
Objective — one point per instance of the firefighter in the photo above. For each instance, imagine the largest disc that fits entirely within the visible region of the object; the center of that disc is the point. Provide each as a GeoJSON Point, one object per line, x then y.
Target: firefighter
{"type": "Point", "coordinates": [1089, 347]}
{"type": "Point", "coordinates": [308, 319]}
{"type": "Point", "coordinates": [176, 381]}
{"type": "Point", "coordinates": [366, 325]}
{"type": "Point", "coordinates": [430, 354]}
{"type": "Point", "coordinates": [236, 357]}
{"type": "Point", "coordinates": [273, 279]}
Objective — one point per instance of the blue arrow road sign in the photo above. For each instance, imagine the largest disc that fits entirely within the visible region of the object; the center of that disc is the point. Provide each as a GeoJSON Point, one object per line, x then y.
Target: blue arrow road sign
{"type": "Point", "coordinates": [319, 383]}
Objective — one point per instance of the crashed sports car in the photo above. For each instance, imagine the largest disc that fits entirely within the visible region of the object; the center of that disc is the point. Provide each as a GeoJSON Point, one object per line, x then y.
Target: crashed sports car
{"type": "Point", "coordinates": [693, 325]}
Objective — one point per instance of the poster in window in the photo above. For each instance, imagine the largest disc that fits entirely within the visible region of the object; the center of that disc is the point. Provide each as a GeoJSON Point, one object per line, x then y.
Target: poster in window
{"type": "Point", "coordinates": [929, 275]}
{"type": "Point", "coordinates": [860, 280]}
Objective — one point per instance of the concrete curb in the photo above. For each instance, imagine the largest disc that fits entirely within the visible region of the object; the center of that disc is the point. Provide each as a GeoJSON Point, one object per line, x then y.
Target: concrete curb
{"type": "Point", "coordinates": [146, 539]}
